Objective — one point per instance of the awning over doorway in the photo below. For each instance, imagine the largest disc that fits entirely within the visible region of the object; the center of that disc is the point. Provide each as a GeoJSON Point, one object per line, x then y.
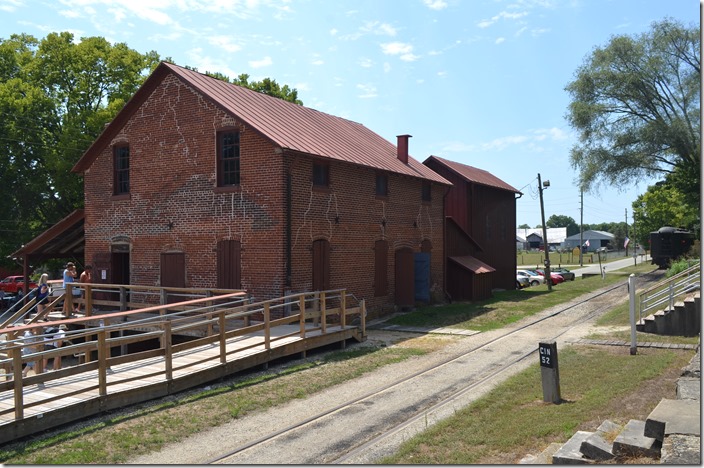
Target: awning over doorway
{"type": "Point", "coordinates": [64, 239]}
{"type": "Point", "coordinates": [472, 264]}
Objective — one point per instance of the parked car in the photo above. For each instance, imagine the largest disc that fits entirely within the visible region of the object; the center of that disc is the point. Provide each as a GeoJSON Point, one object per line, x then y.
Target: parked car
{"type": "Point", "coordinates": [522, 281]}
{"type": "Point", "coordinates": [564, 272]}
{"type": "Point", "coordinates": [534, 278]}
{"type": "Point", "coordinates": [12, 284]}
{"type": "Point", "coordinates": [556, 278]}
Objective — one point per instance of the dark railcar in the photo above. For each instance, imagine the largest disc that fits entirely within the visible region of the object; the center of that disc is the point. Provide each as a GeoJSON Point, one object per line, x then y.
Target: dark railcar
{"type": "Point", "coordinates": [669, 243]}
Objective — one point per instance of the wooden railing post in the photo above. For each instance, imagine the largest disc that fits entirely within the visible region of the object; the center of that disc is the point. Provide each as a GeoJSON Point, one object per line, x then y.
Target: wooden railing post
{"type": "Point", "coordinates": [103, 356]}
{"type": "Point", "coordinates": [343, 307]}
{"type": "Point", "coordinates": [209, 305]}
{"type": "Point", "coordinates": [168, 355]}
{"type": "Point", "coordinates": [363, 315]}
{"type": "Point", "coordinates": [89, 301]}
{"type": "Point", "coordinates": [302, 307]}
{"type": "Point", "coordinates": [267, 327]}
{"type": "Point", "coordinates": [223, 343]}
{"type": "Point", "coordinates": [68, 301]}
{"type": "Point", "coordinates": [323, 307]}
{"type": "Point", "coordinates": [123, 299]}
{"type": "Point", "coordinates": [16, 354]}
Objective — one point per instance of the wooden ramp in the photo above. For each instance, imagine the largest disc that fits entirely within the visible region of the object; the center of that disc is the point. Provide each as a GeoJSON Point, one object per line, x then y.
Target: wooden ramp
{"type": "Point", "coordinates": [36, 403]}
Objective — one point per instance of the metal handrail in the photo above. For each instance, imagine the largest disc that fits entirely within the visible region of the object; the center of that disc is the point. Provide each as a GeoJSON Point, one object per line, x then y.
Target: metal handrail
{"type": "Point", "coordinates": [666, 292]}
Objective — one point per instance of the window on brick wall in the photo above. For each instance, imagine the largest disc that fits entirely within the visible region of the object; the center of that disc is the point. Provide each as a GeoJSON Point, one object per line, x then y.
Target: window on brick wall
{"type": "Point", "coordinates": [425, 192]}
{"type": "Point", "coordinates": [382, 185]}
{"type": "Point", "coordinates": [321, 175]}
{"type": "Point", "coordinates": [228, 158]}
{"type": "Point", "coordinates": [121, 169]}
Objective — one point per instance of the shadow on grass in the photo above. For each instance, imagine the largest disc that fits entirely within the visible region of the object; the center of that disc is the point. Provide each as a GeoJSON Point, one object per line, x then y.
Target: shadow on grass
{"type": "Point", "coordinates": [447, 315]}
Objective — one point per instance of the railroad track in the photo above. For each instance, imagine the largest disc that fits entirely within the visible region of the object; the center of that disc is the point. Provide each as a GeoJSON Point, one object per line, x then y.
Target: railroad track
{"type": "Point", "coordinates": [322, 437]}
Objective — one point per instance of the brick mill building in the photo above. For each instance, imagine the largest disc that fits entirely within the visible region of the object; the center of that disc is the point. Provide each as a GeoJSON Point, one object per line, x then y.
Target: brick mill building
{"type": "Point", "coordinates": [202, 183]}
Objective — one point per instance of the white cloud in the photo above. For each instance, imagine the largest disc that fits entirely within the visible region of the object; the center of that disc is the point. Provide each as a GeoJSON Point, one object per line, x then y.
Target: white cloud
{"type": "Point", "coordinates": [387, 67]}
{"type": "Point", "coordinates": [265, 62]}
{"type": "Point", "coordinates": [333, 32]}
{"type": "Point", "coordinates": [409, 57]}
{"type": "Point", "coordinates": [396, 48]}
{"type": "Point", "coordinates": [224, 42]}
{"type": "Point", "coordinates": [435, 4]}
{"type": "Point", "coordinates": [500, 40]}
{"type": "Point", "coordinates": [365, 62]}
{"type": "Point", "coordinates": [502, 15]}
{"type": "Point", "coordinates": [10, 5]}
{"type": "Point", "coordinates": [367, 91]}
{"type": "Point", "coordinates": [532, 141]}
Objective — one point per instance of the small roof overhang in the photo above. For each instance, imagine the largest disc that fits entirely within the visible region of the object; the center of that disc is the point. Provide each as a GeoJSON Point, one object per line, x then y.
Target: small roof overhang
{"type": "Point", "coordinates": [472, 264]}
{"type": "Point", "coordinates": [64, 239]}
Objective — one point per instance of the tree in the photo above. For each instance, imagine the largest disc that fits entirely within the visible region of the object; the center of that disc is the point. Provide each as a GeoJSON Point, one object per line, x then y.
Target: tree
{"type": "Point", "coordinates": [266, 86]}
{"type": "Point", "coordinates": [558, 221]}
{"type": "Point", "coordinates": [55, 98]}
{"type": "Point", "coordinates": [524, 226]}
{"type": "Point", "coordinates": [635, 104]}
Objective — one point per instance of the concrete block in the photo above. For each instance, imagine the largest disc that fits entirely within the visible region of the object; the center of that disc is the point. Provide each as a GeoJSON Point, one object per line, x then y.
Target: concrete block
{"type": "Point", "coordinates": [632, 441]}
{"type": "Point", "coordinates": [569, 453]}
{"type": "Point", "coordinates": [688, 388]}
{"type": "Point", "coordinates": [661, 319]}
{"type": "Point", "coordinates": [543, 458]}
{"type": "Point", "coordinates": [674, 417]}
{"type": "Point", "coordinates": [681, 450]}
{"type": "Point", "coordinates": [597, 446]}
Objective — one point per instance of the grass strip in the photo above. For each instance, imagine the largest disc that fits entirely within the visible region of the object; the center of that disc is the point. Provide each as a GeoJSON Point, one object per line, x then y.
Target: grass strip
{"type": "Point", "coordinates": [506, 307]}
{"type": "Point", "coordinates": [512, 421]}
{"type": "Point", "coordinates": [119, 438]}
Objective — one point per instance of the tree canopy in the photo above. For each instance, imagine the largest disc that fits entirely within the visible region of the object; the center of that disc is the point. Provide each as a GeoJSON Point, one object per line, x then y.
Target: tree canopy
{"type": "Point", "coordinates": [635, 104]}
{"type": "Point", "coordinates": [55, 97]}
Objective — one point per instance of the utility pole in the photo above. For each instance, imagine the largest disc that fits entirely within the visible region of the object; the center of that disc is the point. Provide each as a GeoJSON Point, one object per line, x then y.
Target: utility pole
{"type": "Point", "coordinates": [548, 279]}
{"type": "Point", "coordinates": [581, 226]}
{"type": "Point", "coordinates": [625, 214]}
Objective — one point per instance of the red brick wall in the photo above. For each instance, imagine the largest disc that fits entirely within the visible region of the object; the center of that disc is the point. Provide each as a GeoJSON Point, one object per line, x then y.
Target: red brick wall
{"type": "Point", "coordinates": [172, 179]}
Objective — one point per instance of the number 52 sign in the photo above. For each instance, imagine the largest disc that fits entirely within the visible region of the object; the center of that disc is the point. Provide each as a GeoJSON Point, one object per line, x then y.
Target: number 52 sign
{"type": "Point", "coordinates": [548, 354]}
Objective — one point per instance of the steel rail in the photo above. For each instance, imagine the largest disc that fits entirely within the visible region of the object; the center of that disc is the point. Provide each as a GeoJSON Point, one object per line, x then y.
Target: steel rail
{"type": "Point", "coordinates": [417, 374]}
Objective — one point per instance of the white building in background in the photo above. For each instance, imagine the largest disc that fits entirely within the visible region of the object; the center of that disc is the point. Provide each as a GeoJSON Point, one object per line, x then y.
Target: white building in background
{"type": "Point", "coordinates": [529, 239]}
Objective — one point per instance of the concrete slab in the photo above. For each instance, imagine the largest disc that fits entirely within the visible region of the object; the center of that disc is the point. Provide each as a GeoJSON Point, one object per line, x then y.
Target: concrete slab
{"type": "Point", "coordinates": [681, 450]}
{"type": "Point", "coordinates": [598, 446]}
{"type": "Point", "coordinates": [570, 453]}
{"type": "Point", "coordinates": [674, 417]}
{"type": "Point", "coordinates": [688, 388]}
{"type": "Point", "coordinates": [543, 458]}
{"type": "Point", "coordinates": [632, 442]}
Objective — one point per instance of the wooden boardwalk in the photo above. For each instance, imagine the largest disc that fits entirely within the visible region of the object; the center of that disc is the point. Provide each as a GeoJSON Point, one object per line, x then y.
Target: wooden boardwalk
{"type": "Point", "coordinates": [39, 402]}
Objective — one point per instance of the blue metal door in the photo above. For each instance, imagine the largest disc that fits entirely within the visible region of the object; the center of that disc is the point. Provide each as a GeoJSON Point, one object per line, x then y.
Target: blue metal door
{"type": "Point", "coordinates": [422, 276]}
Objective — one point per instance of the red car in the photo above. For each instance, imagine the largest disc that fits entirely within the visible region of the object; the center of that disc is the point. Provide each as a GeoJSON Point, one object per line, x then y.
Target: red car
{"type": "Point", "coordinates": [11, 284]}
{"type": "Point", "coordinates": [556, 279]}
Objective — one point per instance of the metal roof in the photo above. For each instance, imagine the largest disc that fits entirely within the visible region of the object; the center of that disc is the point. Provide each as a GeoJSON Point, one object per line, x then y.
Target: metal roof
{"type": "Point", "coordinates": [287, 125]}
{"type": "Point", "coordinates": [473, 174]}
{"type": "Point", "coordinates": [65, 239]}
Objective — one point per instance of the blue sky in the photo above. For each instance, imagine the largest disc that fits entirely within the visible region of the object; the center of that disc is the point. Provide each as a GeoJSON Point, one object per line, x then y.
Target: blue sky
{"type": "Point", "coordinates": [480, 82]}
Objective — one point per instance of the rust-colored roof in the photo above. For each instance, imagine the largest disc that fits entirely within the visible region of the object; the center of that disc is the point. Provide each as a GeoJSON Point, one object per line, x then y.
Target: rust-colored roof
{"type": "Point", "coordinates": [63, 239]}
{"type": "Point", "coordinates": [473, 174]}
{"type": "Point", "coordinates": [473, 264]}
{"type": "Point", "coordinates": [289, 126]}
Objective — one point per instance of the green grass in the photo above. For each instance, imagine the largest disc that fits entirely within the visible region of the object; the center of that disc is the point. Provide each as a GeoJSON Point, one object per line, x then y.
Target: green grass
{"type": "Point", "coordinates": [512, 420]}
{"type": "Point", "coordinates": [117, 439]}
{"type": "Point", "coordinates": [507, 307]}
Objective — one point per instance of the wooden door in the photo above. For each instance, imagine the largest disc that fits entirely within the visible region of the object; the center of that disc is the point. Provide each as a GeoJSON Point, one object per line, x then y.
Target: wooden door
{"type": "Point", "coordinates": [404, 277]}
{"type": "Point", "coordinates": [173, 272]}
{"type": "Point", "coordinates": [321, 265]}
{"type": "Point", "coordinates": [229, 265]}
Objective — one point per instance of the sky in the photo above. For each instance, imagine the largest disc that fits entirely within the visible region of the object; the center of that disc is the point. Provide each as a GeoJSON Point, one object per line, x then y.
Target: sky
{"type": "Point", "coordinates": [480, 82]}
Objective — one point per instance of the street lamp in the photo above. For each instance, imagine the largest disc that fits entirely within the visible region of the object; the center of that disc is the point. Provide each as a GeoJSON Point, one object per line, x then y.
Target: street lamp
{"type": "Point", "coordinates": [542, 186]}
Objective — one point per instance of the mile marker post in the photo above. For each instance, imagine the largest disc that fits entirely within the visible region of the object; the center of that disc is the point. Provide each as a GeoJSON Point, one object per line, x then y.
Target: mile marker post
{"type": "Point", "coordinates": [549, 371]}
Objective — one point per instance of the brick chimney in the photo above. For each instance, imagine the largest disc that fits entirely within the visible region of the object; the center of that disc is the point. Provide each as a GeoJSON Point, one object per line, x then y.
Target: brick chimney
{"type": "Point", "coordinates": [402, 148]}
